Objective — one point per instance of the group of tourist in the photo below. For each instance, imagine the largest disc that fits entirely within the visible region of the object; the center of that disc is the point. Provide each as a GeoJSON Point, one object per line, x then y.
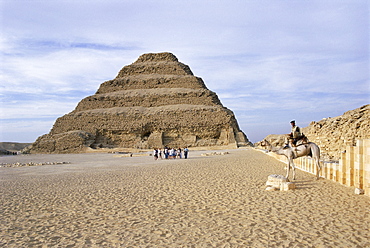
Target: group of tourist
{"type": "Point", "coordinates": [170, 153]}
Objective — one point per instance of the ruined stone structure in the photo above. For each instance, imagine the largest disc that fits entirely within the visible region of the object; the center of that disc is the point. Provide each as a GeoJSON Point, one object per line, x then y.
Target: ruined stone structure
{"type": "Point", "coordinates": [154, 102]}
{"type": "Point", "coordinates": [332, 135]}
{"type": "Point", "coordinates": [352, 169]}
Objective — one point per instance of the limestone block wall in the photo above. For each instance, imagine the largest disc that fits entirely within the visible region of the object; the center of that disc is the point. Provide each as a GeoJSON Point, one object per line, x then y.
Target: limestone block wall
{"type": "Point", "coordinates": [152, 81]}
{"type": "Point", "coordinates": [356, 165]}
{"type": "Point", "coordinates": [149, 98]}
{"type": "Point", "coordinates": [353, 169]}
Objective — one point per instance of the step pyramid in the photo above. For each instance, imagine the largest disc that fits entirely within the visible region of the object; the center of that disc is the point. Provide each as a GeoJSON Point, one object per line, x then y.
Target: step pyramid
{"type": "Point", "coordinates": [154, 102]}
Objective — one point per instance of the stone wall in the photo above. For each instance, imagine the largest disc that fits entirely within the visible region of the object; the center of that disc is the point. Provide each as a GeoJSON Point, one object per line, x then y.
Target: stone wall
{"type": "Point", "coordinates": [149, 98]}
{"type": "Point", "coordinates": [151, 81]}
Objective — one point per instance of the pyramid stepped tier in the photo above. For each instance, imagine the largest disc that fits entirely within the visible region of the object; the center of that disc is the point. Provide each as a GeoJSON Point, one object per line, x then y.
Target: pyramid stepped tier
{"type": "Point", "coordinates": [154, 102]}
{"type": "Point", "coordinates": [140, 124]}
{"type": "Point", "coordinates": [149, 98]}
{"type": "Point", "coordinates": [151, 81]}
{"type": "Point", "coordinates": [160, 63]}
{"type": "Point", "coordinates": [162, 68]}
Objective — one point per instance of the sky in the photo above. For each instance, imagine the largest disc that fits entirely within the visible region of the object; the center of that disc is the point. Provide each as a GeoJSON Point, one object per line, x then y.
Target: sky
{"type": "Point", "coordinates": [269, 61]}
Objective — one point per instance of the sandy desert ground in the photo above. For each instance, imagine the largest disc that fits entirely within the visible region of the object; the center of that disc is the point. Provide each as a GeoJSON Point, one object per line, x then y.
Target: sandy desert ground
{"type": "Point", "coordinates": [101, 200]}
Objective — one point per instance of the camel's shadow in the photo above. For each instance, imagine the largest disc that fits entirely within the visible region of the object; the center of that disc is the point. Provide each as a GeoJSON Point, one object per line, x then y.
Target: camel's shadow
{"type": "Point", "coordinates": [304, 183]}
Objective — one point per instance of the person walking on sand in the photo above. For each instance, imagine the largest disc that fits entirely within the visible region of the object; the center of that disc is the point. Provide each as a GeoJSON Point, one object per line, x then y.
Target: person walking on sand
{"type": "Point", "coordinates": [160, 153]}
{"type": "Point", "coordinates": [186, 151]}
{"type": "Point", "coordinates": [155, 154]}
{"type": "Point", "coordinates": [179, 152]}
{"type": "Point", "coordinates": [170, 153]}
{"type": "Point", "coordinates": [166, 152]}
{"type": "Point", "coordinates": [173, 151]}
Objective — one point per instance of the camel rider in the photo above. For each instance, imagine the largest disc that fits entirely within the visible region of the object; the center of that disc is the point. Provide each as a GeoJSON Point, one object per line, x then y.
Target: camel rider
{"type": "Point", "coordinates": [295, 133]}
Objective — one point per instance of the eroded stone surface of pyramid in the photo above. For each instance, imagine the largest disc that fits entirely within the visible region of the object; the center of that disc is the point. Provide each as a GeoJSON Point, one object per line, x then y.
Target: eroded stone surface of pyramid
{"type": "Point", "coordinates": [154, 102]}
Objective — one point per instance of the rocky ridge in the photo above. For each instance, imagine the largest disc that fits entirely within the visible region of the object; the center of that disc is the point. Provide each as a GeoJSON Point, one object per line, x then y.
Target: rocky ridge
{"type": "Point", "coordinates": [333, 134]}
{"type": "Point", "coordinates": [11, 148]}
{"type": "Point", "coordinates": [154, 102]}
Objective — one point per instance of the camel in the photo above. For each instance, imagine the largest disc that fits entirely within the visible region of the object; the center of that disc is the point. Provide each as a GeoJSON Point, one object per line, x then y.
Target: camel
{"type": "Point", "coordinates": [290, 152]}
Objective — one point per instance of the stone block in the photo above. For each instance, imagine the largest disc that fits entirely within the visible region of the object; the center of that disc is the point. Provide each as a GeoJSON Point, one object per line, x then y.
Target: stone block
{"type": "Point", "coordinates": [155, 140]}
{"type": "Point", "coordinates": [287, 186]}
{"type": "Point", "coordinates": [342, 169]}
{"type": "Point", "coordinates": [350, 166]}
{"type": "Point", "coordinates": [279, 182]}
{"type": "Point", "coordinates": [270, 188]}
{"type": "Point", "coordinates": [276, 180]}
{"type": "Point", "coordinates": [359, 191]}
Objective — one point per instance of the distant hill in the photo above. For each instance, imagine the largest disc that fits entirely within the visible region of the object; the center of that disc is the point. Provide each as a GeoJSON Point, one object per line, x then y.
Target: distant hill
{"type": "Point", "coordinates": [13, 146]}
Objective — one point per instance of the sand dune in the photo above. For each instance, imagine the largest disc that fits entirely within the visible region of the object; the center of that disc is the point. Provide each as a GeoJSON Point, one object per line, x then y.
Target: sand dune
{"type": "Point", "coordinates": [206, 201]}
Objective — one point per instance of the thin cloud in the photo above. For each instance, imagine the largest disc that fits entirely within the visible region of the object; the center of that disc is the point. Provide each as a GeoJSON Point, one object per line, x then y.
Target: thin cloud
{"type": "Point", "coordinates": [268, 61]}
{"type": "Point", "coordinates": [50, 45]}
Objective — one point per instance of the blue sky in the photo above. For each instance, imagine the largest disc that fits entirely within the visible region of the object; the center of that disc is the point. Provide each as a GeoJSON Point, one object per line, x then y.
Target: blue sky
{"type": "Point", "coordinates": [269, 61]}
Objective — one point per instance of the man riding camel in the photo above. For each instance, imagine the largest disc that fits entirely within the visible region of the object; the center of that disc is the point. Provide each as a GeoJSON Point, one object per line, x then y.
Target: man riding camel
{"type": "Point", "coordinates": [296, 134]}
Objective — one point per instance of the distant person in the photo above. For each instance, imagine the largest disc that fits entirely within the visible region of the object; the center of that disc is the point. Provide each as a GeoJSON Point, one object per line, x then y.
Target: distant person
{"type": "Point", "coordinates": [155, 154]}
{"type": "Point", "coordinates": [166, 152]}
{"type": "Point", "coordinates": [186, 151]}
{"type": "Point", "coordinates": [179, 152]}
{"type": "Point", "coordinates": [171, 153]}
{"type": "Point", "coordinates": [174, 153]}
